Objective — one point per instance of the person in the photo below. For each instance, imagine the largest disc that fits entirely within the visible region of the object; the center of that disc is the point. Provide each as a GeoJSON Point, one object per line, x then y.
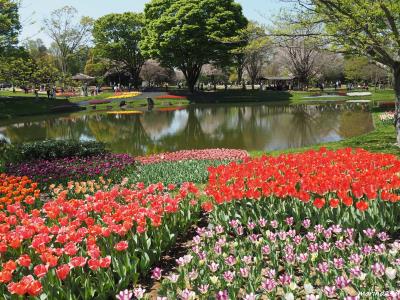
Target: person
{"type": "Point", "coordinates": [54, 92]}
{"type": "Point", "coordinates": [48, 92]}
{"type": "Point", "coordinates": [150, 103]}
{"type": "Point", "coordinates": [36, 93]}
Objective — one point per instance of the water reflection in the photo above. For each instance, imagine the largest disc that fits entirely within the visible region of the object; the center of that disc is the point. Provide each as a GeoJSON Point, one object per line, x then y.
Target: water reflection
{"type": "Point", "coordinates": [251, 127]}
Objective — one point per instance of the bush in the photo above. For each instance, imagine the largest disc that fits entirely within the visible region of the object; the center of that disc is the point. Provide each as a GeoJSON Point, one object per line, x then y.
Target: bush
{"type": "Point", "coordinates": [4, 153]}
{"type": "Point", "coordinates": [52, 149]}
{"type": "Point", "coordinates": [175, 172]}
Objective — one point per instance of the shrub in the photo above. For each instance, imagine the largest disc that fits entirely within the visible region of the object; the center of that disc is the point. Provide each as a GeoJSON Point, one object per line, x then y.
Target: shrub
{"type": "Point", "coordinates": [51, 149]}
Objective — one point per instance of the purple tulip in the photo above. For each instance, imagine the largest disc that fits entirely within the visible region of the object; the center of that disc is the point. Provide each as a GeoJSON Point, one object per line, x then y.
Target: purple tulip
{"type": "Point", "coordinates": [222, 295]}
{"type": "Point", "coordinates": [342, 282]}
{"type": "Point", "coordinates": [269, 284]}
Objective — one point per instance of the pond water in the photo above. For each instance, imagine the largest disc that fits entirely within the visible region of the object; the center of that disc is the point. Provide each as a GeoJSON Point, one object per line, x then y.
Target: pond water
{"type": "Point", "coordinates": [242, 126]}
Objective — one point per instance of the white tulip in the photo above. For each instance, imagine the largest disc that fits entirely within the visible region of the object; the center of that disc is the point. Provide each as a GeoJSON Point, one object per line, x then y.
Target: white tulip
{"type": "Point", "coordinates": [391, 273]}
{"type": "Point", "coordinates": [309, 289]}
{"type": "Point", "coordinates": [362, 276]}
{"type": "Point", "coordinates": [289, 296]}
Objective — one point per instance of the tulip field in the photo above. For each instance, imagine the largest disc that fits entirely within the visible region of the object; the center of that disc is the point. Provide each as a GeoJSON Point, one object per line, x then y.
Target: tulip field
{"type": "Point", "coordinates": [315, 225]}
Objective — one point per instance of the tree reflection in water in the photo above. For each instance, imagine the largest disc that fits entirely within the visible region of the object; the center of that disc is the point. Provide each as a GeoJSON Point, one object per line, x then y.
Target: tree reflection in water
{"type": "Point", "coordinates": [246, 126]}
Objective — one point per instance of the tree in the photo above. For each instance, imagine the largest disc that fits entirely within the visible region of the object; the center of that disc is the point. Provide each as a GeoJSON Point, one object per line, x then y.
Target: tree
{"type": "Point", "coordinates": [187, 34]}
{"type": "Point", "coordinates": [9, 25]}
{"type": "Point", "coordinates": [44, 72]}
{"type": "Point", "coordinates": [117, 37]}
{"type": "Point", "coordinates": [18, 71]}
{"type": "Point", "coordinates": [256, 52]}
{"type": "Point", "coordinates": [95, 65]}
{"type": "Point", "coordinates": [36, 48]}
{"type": "Point", "coordinates": [68, 34]}
{"type": "Point", "coordinates": [153, 73]}
{"type": "Point", "coordinates": [301, 44]}
{"type": "Point", "coordinates": [360, 68]}
{"type": "Point", "coordinates": [331, 66]}
{"type": "Point", "coordinates": [364, 27]}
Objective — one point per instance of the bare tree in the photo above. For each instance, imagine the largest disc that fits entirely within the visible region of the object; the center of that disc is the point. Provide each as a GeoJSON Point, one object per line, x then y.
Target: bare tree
{"type": "Point", "coordinates": [153, 73]}
{"type": "Point", "coordinates": [257, 52]}
{"type": "Point", "coordinates": [67, 33]}
{"type": "Point", "coordinates": [302, 44]}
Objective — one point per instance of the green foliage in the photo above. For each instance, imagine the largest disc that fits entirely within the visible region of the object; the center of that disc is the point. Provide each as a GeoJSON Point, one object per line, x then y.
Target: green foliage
{"type": "Point", "coordinates": [354, 68]}
{"type": "Point", "coordinates": [18, 71]}
{"type": "Point", "coordinates": [117, 37]}
{"type": "Point", "coordinates": [174, 172]}
{"type": "Point", "coordinates": [69, 34]}
{"type": "Point", "coordinates": [361, 68]}
{"type": "Point", "coordinates": [51, 149]}
{"type": "Point", "coordinates": [187, 34]}
{"type": "Point", "coordinates": [5, 153]}
{"type": "Point", "coordinates": [9, 24]}
{"type": "Point", "coordinates": [26, 71]}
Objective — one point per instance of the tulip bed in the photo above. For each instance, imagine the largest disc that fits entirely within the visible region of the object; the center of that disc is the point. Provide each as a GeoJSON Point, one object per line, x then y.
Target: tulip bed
{"type": "Point", "coordinates": [205, 154]}
{"type": "Point", "coordinates": [315, 225]}
{"type": "Point", "coordinates": [348, 187]}
{"type": "Point", "coordinates": [65, 247]}
{"type": "Point", "coordinates": [387, 117]}
{"type": "Point", "coordinates": [272, 260]}
{"type": "Point", "coordinates": [72, 168]}
{"type": "Point", "coordinates": [176, 172]}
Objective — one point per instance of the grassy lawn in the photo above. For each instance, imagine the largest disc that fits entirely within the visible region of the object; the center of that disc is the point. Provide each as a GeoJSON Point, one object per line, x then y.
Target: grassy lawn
{"type": "Point", "coordinates": [139, 103]}
{"type": "Point", "coordinates": [382, 139]}
{"type": "Point", "coordinates": [279, 96]}
{"type": "Point", "coordinates": [27, 106]}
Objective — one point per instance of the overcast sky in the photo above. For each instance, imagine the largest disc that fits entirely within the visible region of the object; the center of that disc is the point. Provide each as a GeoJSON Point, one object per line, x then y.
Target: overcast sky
{"type": "Point", "coordinates": [34, 11]}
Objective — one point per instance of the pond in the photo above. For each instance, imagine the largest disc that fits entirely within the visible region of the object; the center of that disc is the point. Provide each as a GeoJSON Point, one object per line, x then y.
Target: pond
{"type": "Point", "coordinates": [241, 126]}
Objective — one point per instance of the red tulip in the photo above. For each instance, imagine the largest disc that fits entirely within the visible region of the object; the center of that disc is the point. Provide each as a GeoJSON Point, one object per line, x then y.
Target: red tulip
{"type": "Point", "coordinates": [63, 271]}
{"type": "Point", "coordinates": [362, 205]}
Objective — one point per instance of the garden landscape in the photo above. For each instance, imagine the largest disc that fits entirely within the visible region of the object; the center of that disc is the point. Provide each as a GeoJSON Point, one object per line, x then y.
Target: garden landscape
{"type": "Point", "coordinates": [200, 149]}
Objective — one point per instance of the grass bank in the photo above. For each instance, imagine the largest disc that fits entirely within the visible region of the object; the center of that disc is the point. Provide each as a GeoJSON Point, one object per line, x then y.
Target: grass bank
{"type": "Point", "coordinates": [235, 96]}
{"type": "Point", "coordinates": [11, 107]}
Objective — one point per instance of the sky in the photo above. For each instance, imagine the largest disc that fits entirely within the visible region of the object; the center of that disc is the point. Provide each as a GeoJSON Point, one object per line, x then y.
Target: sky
{"type": "Point", "coordinates": [34, 11]}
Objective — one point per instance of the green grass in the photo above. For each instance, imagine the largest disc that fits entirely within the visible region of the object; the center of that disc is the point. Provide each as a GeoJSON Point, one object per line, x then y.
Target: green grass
{"type": "Point", "coordinates": [382, 139]}
{"type": "Point", "coordinates": [101, 96]}
{"type": "Point", "coordinates": [293, 97]}
{"type": "Point", "coordinates": [139, 103]}
{"type": "Point", "coordinates": [27, 106]}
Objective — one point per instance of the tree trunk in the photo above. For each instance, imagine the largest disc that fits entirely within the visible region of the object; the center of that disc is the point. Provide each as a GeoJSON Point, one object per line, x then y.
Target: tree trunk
{"type": "Point", "coordinates": [396, 76]}
{"type": "Point", "coordinates": [240, 74]}
{"type": "Point", "coordinates": [191, 75]}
